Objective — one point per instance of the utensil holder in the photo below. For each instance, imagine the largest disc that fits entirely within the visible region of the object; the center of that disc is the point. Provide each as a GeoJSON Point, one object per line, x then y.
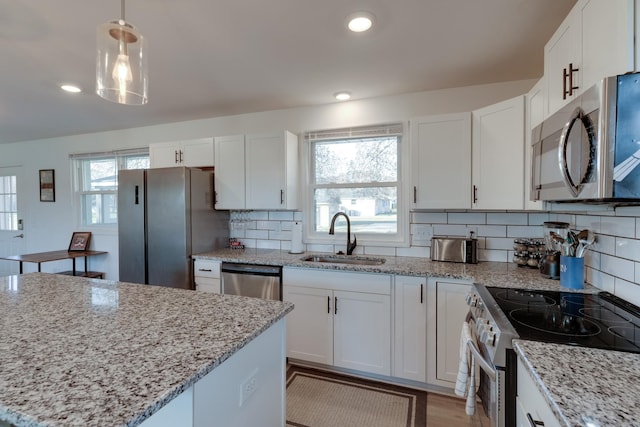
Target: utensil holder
{"type": "Point", "coordinates": [571, 272]}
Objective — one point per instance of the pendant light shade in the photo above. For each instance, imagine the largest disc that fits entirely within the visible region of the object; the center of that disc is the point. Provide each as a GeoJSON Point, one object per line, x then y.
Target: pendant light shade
{"type": "Point", "coordinates": [122, 63]}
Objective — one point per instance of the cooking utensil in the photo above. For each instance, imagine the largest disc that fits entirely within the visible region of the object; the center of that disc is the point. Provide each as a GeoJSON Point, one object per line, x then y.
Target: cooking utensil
{"type": "Point", "coordinates": [585, 244]}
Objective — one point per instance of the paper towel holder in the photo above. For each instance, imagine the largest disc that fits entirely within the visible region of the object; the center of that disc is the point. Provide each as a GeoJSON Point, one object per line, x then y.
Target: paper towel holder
{"type": "Point", "coordinates": [296, 239]}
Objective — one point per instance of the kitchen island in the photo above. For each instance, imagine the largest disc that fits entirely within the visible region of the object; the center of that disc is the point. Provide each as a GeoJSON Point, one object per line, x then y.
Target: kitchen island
{"type": "Point", "coordinates": [86, 352]}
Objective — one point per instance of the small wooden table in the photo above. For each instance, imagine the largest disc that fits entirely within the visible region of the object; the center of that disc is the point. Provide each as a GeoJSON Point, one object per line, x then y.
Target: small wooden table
{"type": "Point", "coordinates": [41, 257]}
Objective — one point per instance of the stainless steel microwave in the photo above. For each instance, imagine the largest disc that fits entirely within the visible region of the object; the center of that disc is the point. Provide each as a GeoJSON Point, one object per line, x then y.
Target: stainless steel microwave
{"type": "Point", "coordinates": [589, 151]}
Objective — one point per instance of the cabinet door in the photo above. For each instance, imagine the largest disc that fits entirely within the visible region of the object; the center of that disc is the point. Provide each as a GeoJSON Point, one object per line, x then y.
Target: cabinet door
{"type": "Point", "coordinates": [198, 152]}
{"type": "Point", "coordinates": [562, 49]}
{"type": "Point", "coordinates": [410, 326]}
{"type": "Point", "coordinates": [441, 161]}
{"type": "Point", "coordinates": [265, 163]}
{"type": "Point", "coordinates": [607, 39]}
{"type": "Point", "coordinates": [362, 332]}
{"type": "Point", "coordinates": [531, 401]}
{"type": "Point", "coordinates": [451, 312]}
{"type": "Point", "coordinates": [310, 324]}
{"type": "Point", "coordinates": [534, 116]}
{"type": "Point", "coordinates": [164, 155]}
{"type": "Point", "coordinates": [229, 178]}
{"type": "Point", "coordinates": [498, 155]}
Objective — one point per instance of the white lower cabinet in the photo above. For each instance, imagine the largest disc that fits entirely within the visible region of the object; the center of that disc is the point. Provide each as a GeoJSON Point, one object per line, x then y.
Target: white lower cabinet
{"type": "Point", "coordinates": [206, 275]}
{"type": "Point", "coordinates": [341, 319]}
{"type": "Point", "coordinates": [531, 407]}
{"type": "Point", "coordinates": [446, 309]}
{"type": "Point", "coordinates": [410, 328]}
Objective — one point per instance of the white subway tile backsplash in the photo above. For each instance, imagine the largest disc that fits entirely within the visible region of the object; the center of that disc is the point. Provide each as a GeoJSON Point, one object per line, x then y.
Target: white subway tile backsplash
{"type": "Point", "coordinates": [466, 218]}
{"type": "Point", "coordinates": [507, 218]}
{"type": "Point", "coordinates": [538, 218]}
{"type": "Point", "coordinates": [449, 230]}
{"type": "Point", "coordinates": [605, 244]}
{"type": "Point", "coordinates": [414, 251]}
{"type": "Point", "coordinates": [612, 264]}
{"type": "Point", "coordinates": [618, 226]}
{"type": "Point", "coordinates": [618, 267]}
{"type": "Point", "coordinates": [497, 243]}
{"type": "Point", "coordinates": [380, 250]}
{"type": "Point", "coordinates": [627, 290]}
{"type": "Point", "coordinates": [627, 248]}
{"type": "Point", "coordinates": [280, 215]}
{"type": "Point", "coordinates": [429, 217]}
{"type": "Point", "coordinates": [516, 231]}
{"type": "Point", "coordinates": [492, 230]}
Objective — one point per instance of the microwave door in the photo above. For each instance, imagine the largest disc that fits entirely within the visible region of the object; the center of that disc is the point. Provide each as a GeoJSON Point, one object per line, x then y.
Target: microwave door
{"type": "Point", "coordinates": [576, 153]}
{"type": "Point", "coordinates": [547, 182]}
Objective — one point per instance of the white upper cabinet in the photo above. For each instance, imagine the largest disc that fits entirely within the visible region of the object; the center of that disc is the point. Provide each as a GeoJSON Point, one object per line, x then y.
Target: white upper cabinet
{"type": "Point", "coordinates": [498, 155]}
{"type": "Point", "coordinates": [271, 162]}
{"type": "Point", "coordinates": [229, 179]}
{"type": "Point", "coordinates": [193, 153]}
{"type": "Point", "coordinates": [594, 41]}
{"type": "Point", "coordinates": [534, 115]}
{"type": "Point", "coordinates": [441, 161]}
{"type": "Point", "coordinates": [257, 171]}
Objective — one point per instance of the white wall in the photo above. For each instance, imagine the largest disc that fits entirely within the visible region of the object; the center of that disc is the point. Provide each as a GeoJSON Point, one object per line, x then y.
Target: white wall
{"type": "Point", "coordinates": [48, 226]}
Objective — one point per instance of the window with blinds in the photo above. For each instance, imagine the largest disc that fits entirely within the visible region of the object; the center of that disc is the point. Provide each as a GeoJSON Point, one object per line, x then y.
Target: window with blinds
{"type": "Point", "coordinates": [96, 183]}
{"type": "Point", "coordinates": [355, 171]}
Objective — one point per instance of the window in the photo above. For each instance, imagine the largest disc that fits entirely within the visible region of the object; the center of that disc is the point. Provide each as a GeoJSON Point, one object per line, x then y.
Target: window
{"type": "Point", "coordinates": [8, 203]}
{"type": "Point", "coordinates": [356, 171]}
{"type": "Point", "coordinates": [96, 183]}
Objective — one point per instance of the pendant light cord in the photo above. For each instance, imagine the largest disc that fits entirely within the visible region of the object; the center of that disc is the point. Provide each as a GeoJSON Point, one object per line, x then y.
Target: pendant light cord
{"type": "Point", "coordinates": [122, 8]}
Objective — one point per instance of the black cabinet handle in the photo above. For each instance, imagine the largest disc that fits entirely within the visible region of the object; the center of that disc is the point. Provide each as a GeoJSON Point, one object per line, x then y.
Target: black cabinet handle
{"type": "Point", "coordinates": [335, 305]}
{"type": "Point", "coordinates": [421, 293]}
{"type": "Point", "coordinates": [534, 423]}
{"type": "Point", "coordinates": [137, 190]}
{"type": "Point", "coordinates": [415, 194]}
{"type": "Point", "coordinates": [282, 197]}
{"type": "Point", "coordinates": [475, 194]}
{"type": "Point", "coordinates": [329, 304]}
{"type": "Point", "coordinates": [175, 156]}
{"type": "Point", "coordinates": [567, 89]}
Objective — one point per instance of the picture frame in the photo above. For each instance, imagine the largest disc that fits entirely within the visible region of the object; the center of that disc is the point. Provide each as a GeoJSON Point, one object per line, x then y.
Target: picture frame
{"type": "Point", "coordinates": [80, 241]}
{"type": "Point", "coordinates": [47, 185]}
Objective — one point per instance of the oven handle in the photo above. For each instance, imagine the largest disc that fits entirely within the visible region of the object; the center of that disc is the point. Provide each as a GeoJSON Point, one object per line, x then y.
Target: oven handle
{"type": "Point", "coordinates": [484, 365]}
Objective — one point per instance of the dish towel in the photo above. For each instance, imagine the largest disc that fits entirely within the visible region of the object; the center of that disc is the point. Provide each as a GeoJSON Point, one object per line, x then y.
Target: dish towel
{"type": "Point", "coordinates": [466, 380]}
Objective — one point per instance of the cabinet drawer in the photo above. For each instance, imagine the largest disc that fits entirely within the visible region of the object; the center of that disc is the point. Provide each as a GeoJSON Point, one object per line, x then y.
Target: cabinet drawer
{"type": "Point", "coordinates": [208, 285]}
{"type": "Point", "coordinates": [374, 283]}
{"type": "Point", "coordinates": [206, 268]}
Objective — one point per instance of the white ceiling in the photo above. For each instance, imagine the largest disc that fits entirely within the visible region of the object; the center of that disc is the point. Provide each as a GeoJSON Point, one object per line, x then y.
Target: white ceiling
{"type": "Point", "coordinates": [214, 58]}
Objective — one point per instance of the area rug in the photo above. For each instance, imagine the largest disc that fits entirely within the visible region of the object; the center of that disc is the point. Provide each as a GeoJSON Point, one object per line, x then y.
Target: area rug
{"type": "Point", "coordinates": [320, 399]}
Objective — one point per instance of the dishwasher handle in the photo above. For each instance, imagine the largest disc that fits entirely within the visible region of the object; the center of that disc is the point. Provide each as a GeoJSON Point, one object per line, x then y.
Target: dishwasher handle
{"type": "Point", "coordinates": [254, 269]}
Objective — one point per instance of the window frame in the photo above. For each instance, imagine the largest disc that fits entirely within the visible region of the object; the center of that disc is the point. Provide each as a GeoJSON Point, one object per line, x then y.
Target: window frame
{"type": "Point", "coordinates": [79, 175]}
{"type": "Point", "coordinates": [323, 240]}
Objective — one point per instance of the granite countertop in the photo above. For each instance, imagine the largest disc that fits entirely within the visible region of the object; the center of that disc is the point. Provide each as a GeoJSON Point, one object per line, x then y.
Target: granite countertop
{"type": "Point", "coordinates": [502, 274]}
{"type": "Point", "coordinates": [83, 352]}
{"type": "Point", "coordinates": [585, 386]}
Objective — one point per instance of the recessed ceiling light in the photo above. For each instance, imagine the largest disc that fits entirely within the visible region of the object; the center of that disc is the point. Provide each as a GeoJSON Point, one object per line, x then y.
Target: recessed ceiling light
{"type": "Point", "coordinates": [359, 22]}
{"type": "Point", "coordinates": [342, 96]}
{"type": "Point", "coordinates": [70, 88]}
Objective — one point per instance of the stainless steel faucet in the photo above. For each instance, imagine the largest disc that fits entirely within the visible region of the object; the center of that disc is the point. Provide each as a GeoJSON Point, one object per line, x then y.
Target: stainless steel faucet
{"type": "Point", "coordinates": [350, 246]}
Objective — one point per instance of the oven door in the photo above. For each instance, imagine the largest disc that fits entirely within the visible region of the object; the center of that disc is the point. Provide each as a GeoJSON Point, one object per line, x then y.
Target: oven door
{"type": "Point", "coordinates": [491, 389]}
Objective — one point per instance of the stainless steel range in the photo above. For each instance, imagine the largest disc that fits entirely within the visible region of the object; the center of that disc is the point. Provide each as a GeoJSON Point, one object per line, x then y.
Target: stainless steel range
{"type": "Point", "coordinates": [499, 315]}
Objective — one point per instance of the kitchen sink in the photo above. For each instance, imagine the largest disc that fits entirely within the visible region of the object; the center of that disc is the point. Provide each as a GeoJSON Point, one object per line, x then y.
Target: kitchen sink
{"type": "Point", "coordinates": [344, 259]}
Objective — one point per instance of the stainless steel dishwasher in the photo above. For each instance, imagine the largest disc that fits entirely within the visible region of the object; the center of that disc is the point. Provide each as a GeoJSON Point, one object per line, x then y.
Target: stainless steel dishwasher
{"type": "Point", "coordinates": [251, 280]}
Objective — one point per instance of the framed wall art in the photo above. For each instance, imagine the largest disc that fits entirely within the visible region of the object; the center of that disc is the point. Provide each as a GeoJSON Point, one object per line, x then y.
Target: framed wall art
{"type": "Point", "coordinates": [80, 241]}
{"type": "Point", "coordinates": [47, 185]}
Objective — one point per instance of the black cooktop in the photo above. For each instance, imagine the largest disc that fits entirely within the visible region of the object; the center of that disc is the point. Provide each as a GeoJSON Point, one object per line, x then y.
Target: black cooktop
{"type": "Point", "coordinates": [599, 320]}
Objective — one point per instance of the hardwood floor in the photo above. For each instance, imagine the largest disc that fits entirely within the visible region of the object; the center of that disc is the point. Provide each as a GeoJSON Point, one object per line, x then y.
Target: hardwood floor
{"type": "Point", "coordinates": [444, 411]}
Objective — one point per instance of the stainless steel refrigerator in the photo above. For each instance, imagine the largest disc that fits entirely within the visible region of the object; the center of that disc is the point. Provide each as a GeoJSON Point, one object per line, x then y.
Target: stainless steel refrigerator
{"type": "Point", "coordinates": [164, 216]}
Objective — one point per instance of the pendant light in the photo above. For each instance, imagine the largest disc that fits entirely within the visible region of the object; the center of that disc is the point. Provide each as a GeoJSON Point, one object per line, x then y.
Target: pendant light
{"type": "Point", "coordinates": [121, 67]}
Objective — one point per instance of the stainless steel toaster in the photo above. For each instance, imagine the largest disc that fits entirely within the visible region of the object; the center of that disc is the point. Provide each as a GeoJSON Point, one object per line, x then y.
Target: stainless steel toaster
{"type": "Point", "coordinates": [454, 249]}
